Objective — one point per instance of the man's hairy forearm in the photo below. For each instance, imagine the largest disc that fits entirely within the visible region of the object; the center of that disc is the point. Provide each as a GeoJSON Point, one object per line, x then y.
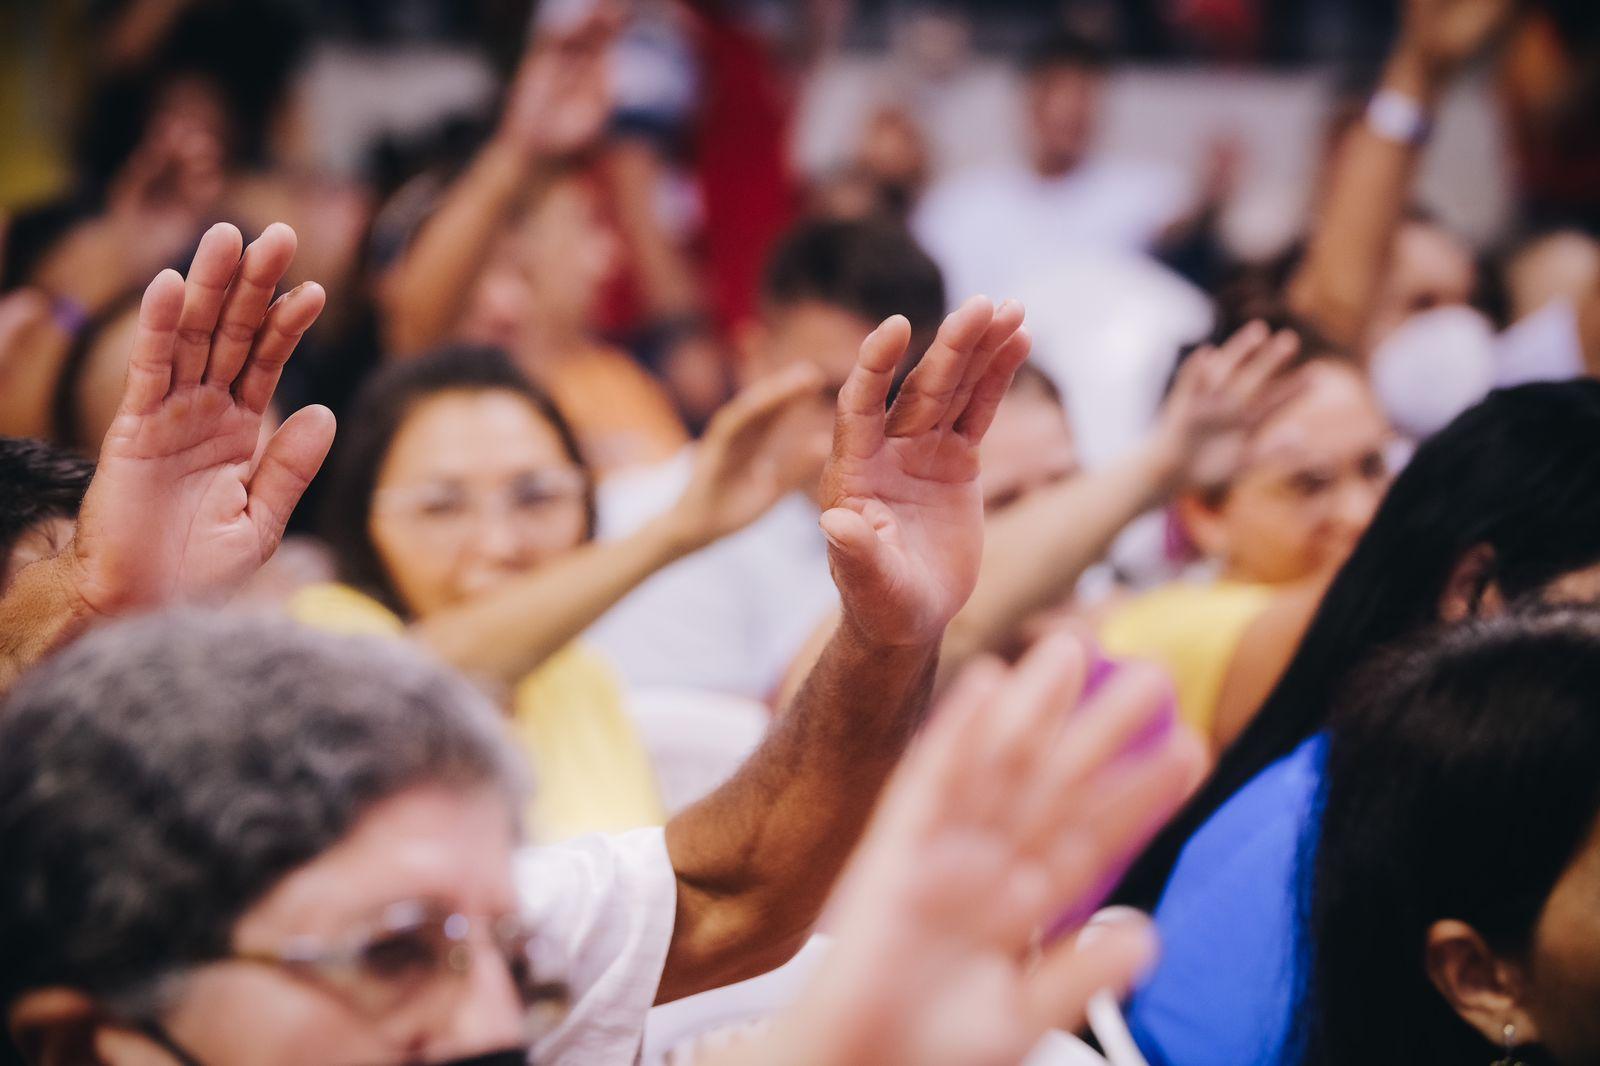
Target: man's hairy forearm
{"type": "Point", "coordinates": [38, 613]}
{"type": "Point", "coordinates": [757, 858]}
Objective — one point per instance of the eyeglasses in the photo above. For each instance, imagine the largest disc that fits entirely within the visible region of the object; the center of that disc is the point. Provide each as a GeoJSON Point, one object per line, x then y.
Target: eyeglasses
{"type": "Point", "coordinates": [532, 498]}
{"type": "Point", "coordinates": [416, 952]}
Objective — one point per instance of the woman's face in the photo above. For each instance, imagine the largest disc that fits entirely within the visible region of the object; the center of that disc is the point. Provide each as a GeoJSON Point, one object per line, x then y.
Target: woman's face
{"type": "Point", "coordinates": [547, 270]}
{"type": "Point", "coordinates": [427, 851]}
{"type": "Point", "coordinates": [1316, 472]}
{"type": "Point", "coordinates": [476, 488]}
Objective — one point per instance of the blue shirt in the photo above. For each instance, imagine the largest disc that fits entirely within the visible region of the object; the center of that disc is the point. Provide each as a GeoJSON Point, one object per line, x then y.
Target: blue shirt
{"type": "Point", "coordinates": [1224, 990]}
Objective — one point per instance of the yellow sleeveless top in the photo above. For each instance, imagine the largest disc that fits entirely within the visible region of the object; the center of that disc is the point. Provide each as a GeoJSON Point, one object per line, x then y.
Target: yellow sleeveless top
{"type": "Point", "coordinates": [1191, 629]}
{"type": "Point", "coordinates": [568, 717]}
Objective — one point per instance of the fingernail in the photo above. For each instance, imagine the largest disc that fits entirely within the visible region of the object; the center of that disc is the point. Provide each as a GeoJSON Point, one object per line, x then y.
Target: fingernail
{"type": "Point", "coordinates": [1104, 921]}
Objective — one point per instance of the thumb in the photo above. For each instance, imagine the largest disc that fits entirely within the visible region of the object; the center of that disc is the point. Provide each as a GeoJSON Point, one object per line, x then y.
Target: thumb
{"type": "Point", "coordinates": [855, 554]}
{"type": "Point", "coordinates": [292, 458]}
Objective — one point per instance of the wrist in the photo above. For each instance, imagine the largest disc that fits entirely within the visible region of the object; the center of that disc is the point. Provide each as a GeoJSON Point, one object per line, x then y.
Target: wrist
{"type": "Point", "coordinates": [674, 534]}
{"type": "Point", "coordinates": [910, 648]}
{"type": "Point", "coordinates": [509, 164]}
{"type": "Point", "coordinates": [1158, 465]}
{"type": "Point", "coordinates": [1413, 73]}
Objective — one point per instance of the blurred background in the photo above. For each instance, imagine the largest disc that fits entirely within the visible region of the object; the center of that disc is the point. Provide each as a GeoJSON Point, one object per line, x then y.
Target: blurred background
{"type": "Point", "coordinates": [727, 122]}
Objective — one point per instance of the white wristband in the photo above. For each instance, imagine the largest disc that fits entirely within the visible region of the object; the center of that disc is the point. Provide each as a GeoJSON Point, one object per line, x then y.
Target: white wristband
{"type": "Point", "coordinates": [1394, 116]}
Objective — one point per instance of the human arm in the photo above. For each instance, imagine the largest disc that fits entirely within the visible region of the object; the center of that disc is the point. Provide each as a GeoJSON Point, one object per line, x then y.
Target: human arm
{"type": "Point", "coordinates": [556, 106]}
{"type": "Point", "coordinates": [904, 522]}
{"type": "Point", "coordinates": [1369, 190]}
{"type": "Point", "coordinates": [1013, 807]}
{"type": "Point", "coordinates": [738, 475]}
{"type": "Point", "coordinates": [178, 510]}
{"type": "Point", "coordinates": [1263, 653]}
{"type": "Point", "coordinates": [1037, 549]}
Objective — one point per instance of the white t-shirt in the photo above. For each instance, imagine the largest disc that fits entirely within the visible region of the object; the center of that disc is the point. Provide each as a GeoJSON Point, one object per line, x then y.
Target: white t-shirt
{"type": "Point", "coordinates": [990, 230]}
{"type": "Point", "coordinates": [732, 617]}
{"type": "Point", "coordinates": [605, 906]}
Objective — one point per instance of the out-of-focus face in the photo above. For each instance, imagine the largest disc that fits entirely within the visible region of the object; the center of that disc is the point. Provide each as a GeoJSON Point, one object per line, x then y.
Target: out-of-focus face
{"type": "Point", "coordinates": [1431, 268]}
{"type": "Point", "coordinates": [39, 542]}
{"type": "Point", "coordinates": [476, 488]}
{"type": "Point", "coordinates": [1316, 472]}
{"type": "Point", "coordinates": [1063, 104]}
{"type": "Point", "coordinates": [427, 851]}
{"type": "Point", "coordinates": [1029, 447]}
{"type": "Point", "coordinates": [549, 269]}
{"type": "Point", "coordinates": [825, 336]}
{"type": "Point", "coordinates": [894, 151]}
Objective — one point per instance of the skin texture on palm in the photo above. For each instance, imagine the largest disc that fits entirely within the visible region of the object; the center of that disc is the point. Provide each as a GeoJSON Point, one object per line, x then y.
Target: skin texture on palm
{"type": "Point", "coordinates": [177, 464]}
{"type": "Point", "coordinates": [181, 510]}
{"type": "Point", "coordinates": [902, 507]}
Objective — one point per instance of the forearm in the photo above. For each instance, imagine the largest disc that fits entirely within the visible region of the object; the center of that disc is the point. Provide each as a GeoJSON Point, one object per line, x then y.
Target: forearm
{"type": "Point", "coordinates": [38, 613]}
{"type": "Point", "coordinates": [667, 279]}
{"type": "Point", "coordinates": [508, 633]}
{"type": "Point", "coordinates": [1035, 552]}
{"type": "Point", "coordinates": [1365, 201]}
{"type": "Point", "coordinates": [757, 858]}
{"type": "Point", "coordinates": [427, 291]}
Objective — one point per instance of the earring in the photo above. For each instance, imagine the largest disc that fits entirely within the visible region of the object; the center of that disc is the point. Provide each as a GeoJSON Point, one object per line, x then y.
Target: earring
{"type": "Point", "coordinates": [1509, 1034]}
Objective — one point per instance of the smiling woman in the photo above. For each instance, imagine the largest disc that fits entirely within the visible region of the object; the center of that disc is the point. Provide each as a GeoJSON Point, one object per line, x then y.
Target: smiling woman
{"type": "Point", "coordinates": [462, 512]}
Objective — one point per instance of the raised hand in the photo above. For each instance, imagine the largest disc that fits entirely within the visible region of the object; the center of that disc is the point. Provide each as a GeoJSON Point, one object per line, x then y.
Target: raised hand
{"type": "Point", "coordinates": [1445, 34]}
{"type": "Point", "coordinates": [1012, 808]}
{"type": "Point", "coordinates": [902, 508]}
{"type": "Point", "coordinates": [742, 465]}
{"type": "Point", "coordinates": [179, 510]}
{"type": "Point", "coordinates": [560, 99]}
{"type": "Point", "coordinates": [1221, 395]}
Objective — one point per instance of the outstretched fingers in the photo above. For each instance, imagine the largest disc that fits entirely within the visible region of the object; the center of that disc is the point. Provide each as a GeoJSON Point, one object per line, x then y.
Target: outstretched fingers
{"type": "Point", "coordinates": [865, 393]}
{"type": "Point", "coordinates": [931, 388]}
{"type": "Point", "coordinates": [286, 322]}
{"type": "Point", "coordinates": [762, 404]}
{"type": "Point", "coordinates": [205, 289]}
{"type": "Point", "coordinates": [150, 362]}
{"type": "Point", "coordinates": [1071, 973]}
{"type": "Point", "coordinates": [245, 305]}
{"type": "Point", "coordinates": [975, 421]}
{"type": "Point", "coordinates": [1007, 320]}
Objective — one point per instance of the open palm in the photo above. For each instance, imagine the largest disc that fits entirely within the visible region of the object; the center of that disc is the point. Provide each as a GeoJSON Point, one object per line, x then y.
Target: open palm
{"type": "Point", "coordinates": [1014, 805]}
{"type": "Point", "coordinates": [180, 508]}
{"type": "Point", "coordinates": [903, 510]}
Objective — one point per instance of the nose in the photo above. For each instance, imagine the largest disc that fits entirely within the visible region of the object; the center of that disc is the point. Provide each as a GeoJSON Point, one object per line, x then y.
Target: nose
{"type": "Point", "coordinates": [1352, 511]}
{"type": "Point", "coordinates": [489, 1015]}
{"type": "Point", "coordinates": [496, 539]}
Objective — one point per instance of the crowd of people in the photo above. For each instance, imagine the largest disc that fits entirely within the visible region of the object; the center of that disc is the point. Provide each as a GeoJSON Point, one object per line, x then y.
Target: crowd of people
{"type": "Point", "coordinates": [584, 591]}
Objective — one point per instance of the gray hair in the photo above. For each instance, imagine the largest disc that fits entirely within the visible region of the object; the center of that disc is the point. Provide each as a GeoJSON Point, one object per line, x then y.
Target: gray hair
{"type": "Point", "coordinates": [162, 775]}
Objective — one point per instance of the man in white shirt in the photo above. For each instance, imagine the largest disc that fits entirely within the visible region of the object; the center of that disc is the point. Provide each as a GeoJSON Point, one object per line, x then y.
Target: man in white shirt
{"type": "Point", "coordinates": [733, 617]}
{"type": "Point", "coordinates": [994, 229]}
{"type": "Point", "coordinates": [232, 841]}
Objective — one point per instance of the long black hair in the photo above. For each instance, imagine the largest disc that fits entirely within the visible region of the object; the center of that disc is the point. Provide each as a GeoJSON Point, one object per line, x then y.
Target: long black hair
{"type": "Point", "coordinates": [1460, 784]}
{"type": "Point", "coordinates": [1517, 473]}
{"type": "Point", "coordinates": [378, 413]}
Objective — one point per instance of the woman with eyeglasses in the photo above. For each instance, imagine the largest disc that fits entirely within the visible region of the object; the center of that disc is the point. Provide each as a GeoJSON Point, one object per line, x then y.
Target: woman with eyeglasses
{"type": "Point", "coordinates": [462, 515]}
